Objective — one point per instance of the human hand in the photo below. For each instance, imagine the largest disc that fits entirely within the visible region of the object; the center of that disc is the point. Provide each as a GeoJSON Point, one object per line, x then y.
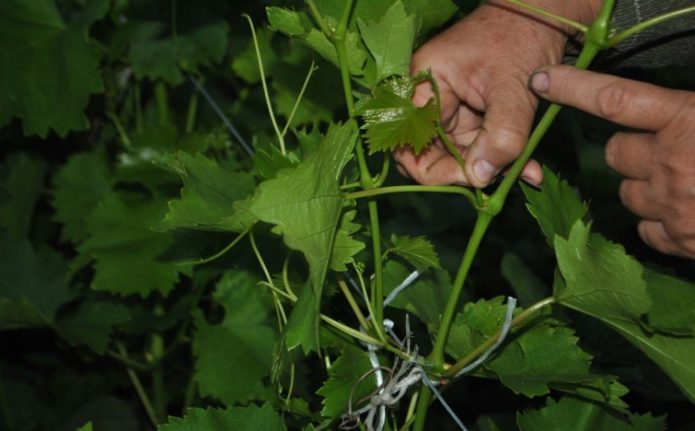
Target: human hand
{"type": "Point", "coordinates": [659, 163]}
{"type": "Point", "coordinates": [482, 65]}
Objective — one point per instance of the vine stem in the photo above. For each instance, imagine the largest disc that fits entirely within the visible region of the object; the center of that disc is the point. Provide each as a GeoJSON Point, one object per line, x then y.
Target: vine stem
{"type": "Point", "coordinates": [139, 389]}
{"type": "Point", "coordinates": [353, 304]}
{"type": "Point", "coordinates": [597, 35]}
{"type": "Point", "coordinates": [547, 14]}
{"type": "Point", "coordinates": [482, 348]}
{"type": "Point", "coordinates": [366, 179]}
{"type": "Point", "coordinates": [470, 196]}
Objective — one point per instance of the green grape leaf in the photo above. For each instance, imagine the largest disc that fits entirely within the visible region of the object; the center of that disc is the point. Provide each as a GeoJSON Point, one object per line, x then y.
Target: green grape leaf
{"type": "Point", "coordinates": [301, 329]}
{"type": "Point", "coordinates": [33, 285]}
{"type": "Point", "coordinates": [304, 203]}
{"type": "Point", "coordinates": [345, 246]}
{"type": "Point", "coordinates": [297, 24]}
{"type": "Point", "coordinates": [555, 206]}
{"type": "Point", "coordinates": [168, 58]}
{"type": "Point", "coordinates": [77, 188]}
{"type": "Point", "coordinates": [431, 13]}
{"type": "Point", "coordinates": [418, 250]}
{"type": "Point", "coordinates": [86, 427]}
{"type": "Point", "coordinates": [478, 321]}
{"type": "Point", "coordinates": [673, 303]}
{"type": "Point", "coordinates": [526, 285]}
{"type": "Point", "coordinates": [40, 54]}
{"type": "Point", "coordinates": [125, 250]}
{"type": "Point", "coordinates": [540, 356]}
{"type": "Point", "coordinates": [92, 324]}
{"type": "Point", "coordinates": [19, 191]}
{"type": "Point", "coordinates": [212, 196]}
{"type": "Point", "coordinates": [572, 414]}
{"type": "Point", "coordinates": [425, 298]}
{"type": "Point", "coordinates": [343, 379]}
{"type": "Point", "coordinates": [533, 361]}
{"type": "Point", "coordinates": [251, 418]}
{"type": "Point", "coordinates": [271, 160]}
{"type": "Point", "coordinates": [392, 120]}
{"type": "Point", "coordinates": [234, 357]}
{"type": "Point", "coordinates": [288, 22]}
{"type": "Point", "coordinates": [390, 41]}
{"type": "Point", "coordinates": [601, 280]}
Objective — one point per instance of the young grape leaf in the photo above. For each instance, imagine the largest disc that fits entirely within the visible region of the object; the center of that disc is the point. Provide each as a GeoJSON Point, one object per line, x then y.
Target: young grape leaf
{"type": "Point", "coordinates": [304, 203]}
{"type": "Point", "coordinates": [234, 357]}
{"type": "Point", "coordinates": [555, 206]}
{"type": "Point", "coordinates": [601, 280]}
{"type": "Point", "coordinates": [344, 376]}
{"type": "Point", "coordinates": [251, 418]}
{"type": "Point", "coordinates": [572, 414]}
{"type": "Point", "coordinates": [86, 427]}
{"type": "Point", "coordinates": [92, 324]}
{"type": "Point", "coordinates": [168, 58]}
{"type": "Point", "coordinates": [19, 191]}
{"type": "Point", "coordinates": [288, 21]}
{"type": "Point", "coordinates": [528, 288]}
{"type": "Point", "coordinates": [41, 54]}
{"type": "Point", "coordinates": [212, 196]}
{"type": "Point", "coordinates": [77, 188]}
{"type": "Point", "coordinates": [534, 360]}
{"type": "Point", "coordinates": [126, 250]}
{"type": "Point", "coordinates": [33, 285]}
{"type": "Point", "coordinates": [392, 120]}
{"type": "Point", "coordinates": [297, 24]}
{"type": "Point", "coordinates": [271, 160]}
{"type": "Point", "coordinates": [418, 250]}
{"type": "Point", "coordinates": [345, 246]}
{"type": "Point", "coordinates": [431, 13]}
{"type": "Point", "coordinates": [425, 298]}
{"type": "Point", "coordinates": [390, 41]}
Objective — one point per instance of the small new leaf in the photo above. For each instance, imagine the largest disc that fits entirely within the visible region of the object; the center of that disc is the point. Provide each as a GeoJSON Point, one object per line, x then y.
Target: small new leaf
{"type": "Point", "coordinates": [345, 246]}
{"type": "Point", "coordinates": [555, 206]}
{"type": "Point", "coordinates": [390, 41]}
{"type": "Point", "coordinates": [344, 376]}
{"type": "Point", "coordinates": [391, 119]}
{"type": "Point", "coordinates": [418, 250]}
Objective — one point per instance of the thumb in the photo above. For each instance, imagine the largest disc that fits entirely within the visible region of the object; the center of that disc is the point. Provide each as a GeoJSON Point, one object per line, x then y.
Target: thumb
{"type": "Point", "coordinates": [509, 110]}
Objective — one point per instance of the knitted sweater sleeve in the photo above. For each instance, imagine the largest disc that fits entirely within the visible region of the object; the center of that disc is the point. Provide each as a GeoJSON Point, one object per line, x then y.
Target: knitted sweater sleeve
{"type": "Point", "coordinates": [670, 43]}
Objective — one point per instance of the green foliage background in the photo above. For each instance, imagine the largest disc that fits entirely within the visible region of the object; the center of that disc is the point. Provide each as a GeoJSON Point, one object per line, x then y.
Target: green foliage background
{"type": "Point", "coordinates": [118, 179]}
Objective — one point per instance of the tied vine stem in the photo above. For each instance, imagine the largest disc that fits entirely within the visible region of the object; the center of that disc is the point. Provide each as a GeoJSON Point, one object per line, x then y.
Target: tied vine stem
{"type": "Point", "coordinates": [366, 180]}
{"type": "Point", "coordinates": [597, 35]}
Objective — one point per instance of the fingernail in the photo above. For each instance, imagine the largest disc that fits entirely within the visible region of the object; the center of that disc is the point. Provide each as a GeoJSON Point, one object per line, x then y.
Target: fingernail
{"type": "Point", "coordinates": [484, 171]}
{"type": "Point", "coordinates": [540, 82]}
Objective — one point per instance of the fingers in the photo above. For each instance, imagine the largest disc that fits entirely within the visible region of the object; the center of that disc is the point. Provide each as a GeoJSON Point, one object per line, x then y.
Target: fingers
{"type": "Point", "coordinates": [654, 234]}
{"type": "Point", "coordinates": [631, 154]}
{"type": "Point", "coordinates": [629, 103]}
{"type": "Point", "coordinates": [508, 117]}
{"type": "Point", "coordinates": [638, 197]}
{"type": "Point", "coordinates": [434, 166]}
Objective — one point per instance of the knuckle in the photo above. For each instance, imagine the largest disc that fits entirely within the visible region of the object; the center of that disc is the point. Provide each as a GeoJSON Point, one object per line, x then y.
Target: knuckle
{"type": "Point", "coordinates": [612, 100]}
